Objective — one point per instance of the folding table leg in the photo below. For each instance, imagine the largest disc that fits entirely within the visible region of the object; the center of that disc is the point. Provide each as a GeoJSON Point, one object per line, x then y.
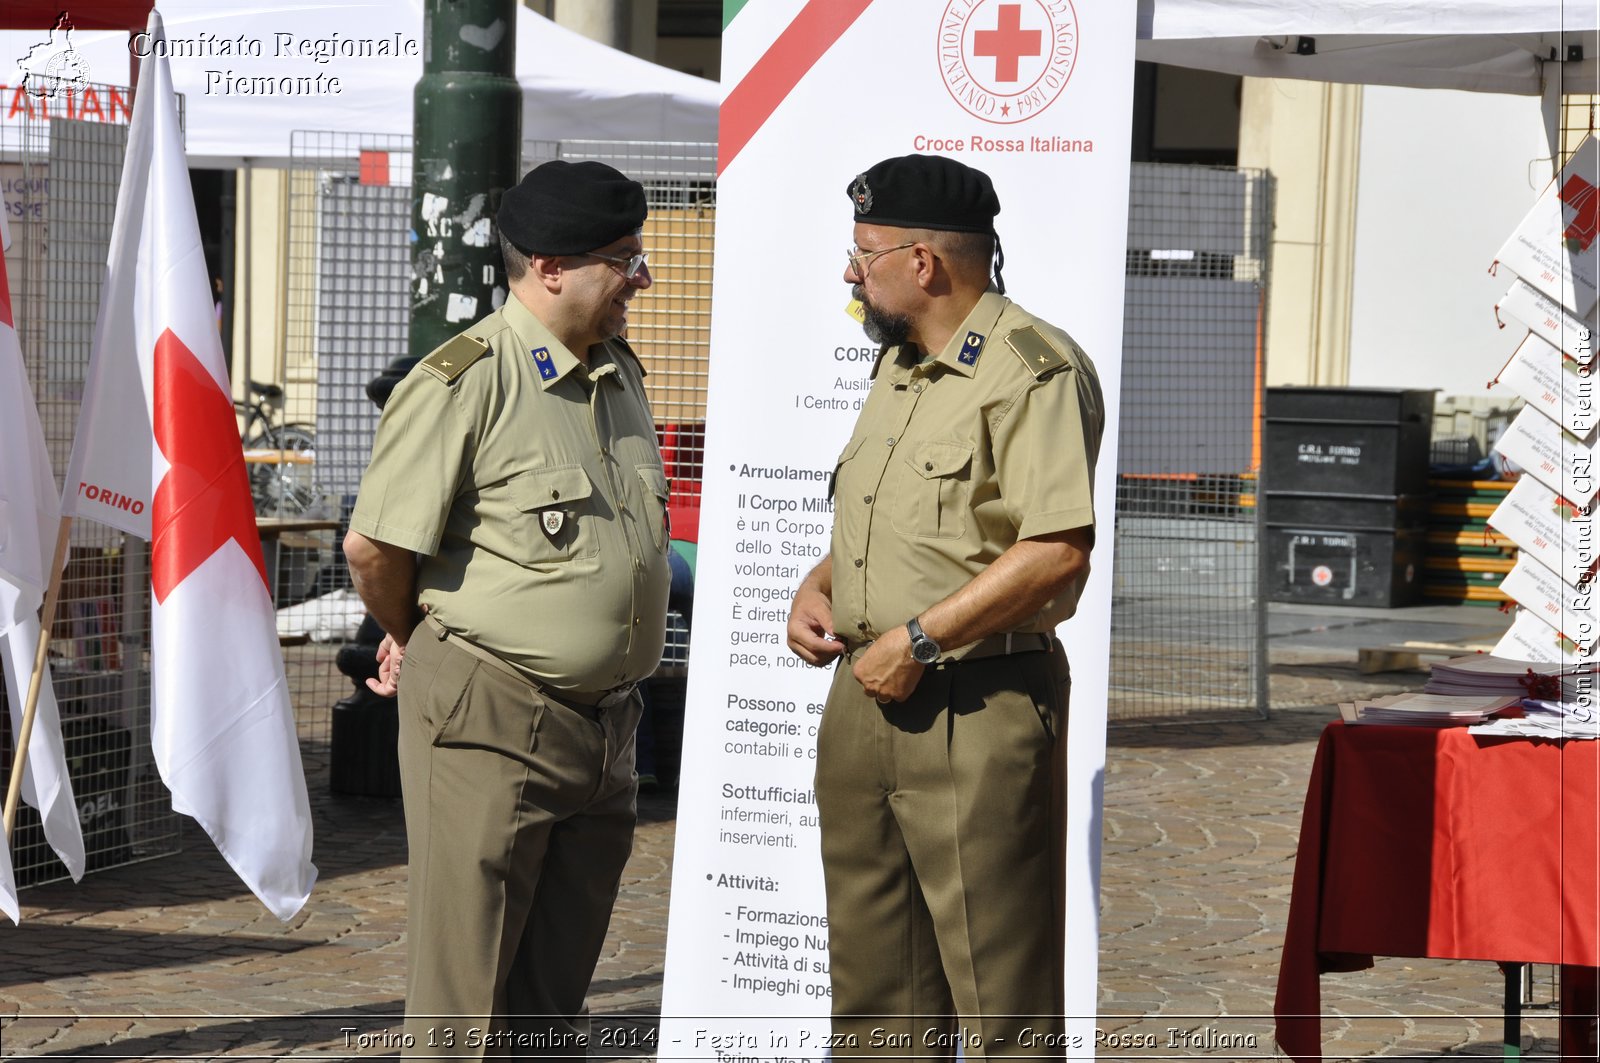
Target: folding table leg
{"type": "Point", "coordinates": [1513, 1026]}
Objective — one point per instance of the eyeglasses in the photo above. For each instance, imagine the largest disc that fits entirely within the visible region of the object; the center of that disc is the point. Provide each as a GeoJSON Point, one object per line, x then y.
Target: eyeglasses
{"type": "Point", "coordinates": [630, 266]}
{"type": "Point", "coordinates": [859, 259]}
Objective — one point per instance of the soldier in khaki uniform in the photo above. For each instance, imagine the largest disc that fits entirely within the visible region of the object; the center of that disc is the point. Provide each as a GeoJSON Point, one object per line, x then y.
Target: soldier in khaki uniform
{"type": "Point", "coordinates": [510, 536]}
{"type": "Point", "coordinates": [963, 522]}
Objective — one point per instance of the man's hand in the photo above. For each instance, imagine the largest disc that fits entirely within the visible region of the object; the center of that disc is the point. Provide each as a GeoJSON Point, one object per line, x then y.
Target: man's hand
{"type": "Point", "coordinates": [390, 654]}
{"type": "Point", "coordinates": [886, 671]}
{"type": "Point", "coordinates": [811, 619]}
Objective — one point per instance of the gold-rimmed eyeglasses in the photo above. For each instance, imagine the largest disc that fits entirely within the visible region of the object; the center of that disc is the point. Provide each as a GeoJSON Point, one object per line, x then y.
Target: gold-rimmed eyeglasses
{"type": "Point", "coordinates": [860, 259]}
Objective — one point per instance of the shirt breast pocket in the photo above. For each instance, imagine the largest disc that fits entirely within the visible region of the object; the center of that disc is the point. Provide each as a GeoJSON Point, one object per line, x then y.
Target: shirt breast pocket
{"type": "Point", "coordinates": [933, 491]}
{"type": "Point", "coordinates": [655, 504]}
{"type": "Point", "coordinates": [559, 518]}
{"type": "Point", "coordinates": [845, 455]}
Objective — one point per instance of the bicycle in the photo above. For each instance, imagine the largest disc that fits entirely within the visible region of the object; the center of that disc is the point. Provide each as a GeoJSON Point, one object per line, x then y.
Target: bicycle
{"type": "Point", "coordinates": [282, 487]}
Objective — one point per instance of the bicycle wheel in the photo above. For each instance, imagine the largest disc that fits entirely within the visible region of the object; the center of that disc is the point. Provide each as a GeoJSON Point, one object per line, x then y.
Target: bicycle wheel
{"type": "Point", "coordinates": [284, 489]}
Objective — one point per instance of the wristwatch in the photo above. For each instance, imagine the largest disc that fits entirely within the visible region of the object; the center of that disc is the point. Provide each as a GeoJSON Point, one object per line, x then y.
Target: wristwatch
{"type": "Point", "coordinates": [923, 649]}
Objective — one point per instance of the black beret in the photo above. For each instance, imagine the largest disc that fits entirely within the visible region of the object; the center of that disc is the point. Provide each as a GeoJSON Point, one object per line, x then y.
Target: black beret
{"type": "Point", "coordinates": [925, 192]}
{"type": "Point", "coordinates": [569, 208]}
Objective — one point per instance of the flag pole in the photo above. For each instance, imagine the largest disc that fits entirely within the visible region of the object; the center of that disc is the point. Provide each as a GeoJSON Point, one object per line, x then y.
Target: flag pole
{"type": "Point", "coordinates": [41, 656]}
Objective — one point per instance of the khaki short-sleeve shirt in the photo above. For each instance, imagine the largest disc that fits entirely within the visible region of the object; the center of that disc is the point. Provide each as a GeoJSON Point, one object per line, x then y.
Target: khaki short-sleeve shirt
{"type": "Point", "coordinates": [955, 458]}
{"type": "Point", "coordinates": [533, 490]}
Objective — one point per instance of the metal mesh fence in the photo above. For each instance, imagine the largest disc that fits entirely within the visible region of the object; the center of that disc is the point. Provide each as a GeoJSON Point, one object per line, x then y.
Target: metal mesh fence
{"type": "Point", "coordinates": [58, 179]}
{"type": "Point", "coordinates": [1188, 623]}
{"type": "Point", "coordinates": [347, 304]}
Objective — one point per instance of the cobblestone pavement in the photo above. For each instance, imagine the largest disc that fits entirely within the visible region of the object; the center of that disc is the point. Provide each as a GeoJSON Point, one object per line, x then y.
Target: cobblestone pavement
{"type": "Point", "coordinates": [170, 958]}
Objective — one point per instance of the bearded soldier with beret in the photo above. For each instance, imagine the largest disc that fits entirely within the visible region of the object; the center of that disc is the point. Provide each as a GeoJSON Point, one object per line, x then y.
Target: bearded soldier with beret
{"type": "Point", "coordinates": [510, 537]}
{"type": "Point", "coordinates": [963, 521]}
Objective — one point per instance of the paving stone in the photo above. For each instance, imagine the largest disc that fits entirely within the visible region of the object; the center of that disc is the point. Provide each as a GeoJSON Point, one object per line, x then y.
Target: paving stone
{"type": "Point", "coordinates": [1200, 828]}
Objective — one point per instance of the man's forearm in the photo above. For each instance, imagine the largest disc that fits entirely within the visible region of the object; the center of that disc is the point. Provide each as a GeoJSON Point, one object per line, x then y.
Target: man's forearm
{"type": "Point", "coordinates": [385, 576]}
{"type": "Point", "coordinates": [1007, 593]}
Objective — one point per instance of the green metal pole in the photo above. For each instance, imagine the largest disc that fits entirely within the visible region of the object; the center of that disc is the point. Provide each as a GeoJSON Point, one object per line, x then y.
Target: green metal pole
{"type": "Point", "coordinates": [468, 148]}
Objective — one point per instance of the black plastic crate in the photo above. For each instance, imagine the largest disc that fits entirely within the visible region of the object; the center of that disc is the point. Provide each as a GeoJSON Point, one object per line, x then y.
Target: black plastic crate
{"type": "Point", "coordinates": [1348, 441]}
{"type": "Point", "coordinates": [364, 746]}
{"type": "Point", "coordinates": [1384, 513]}
{"type": "Point", "coordinates": [1345, 566]}
{"type": "Point", "coordinates": [1346, 458]}
{"type": "Point", "coordinates": [1382, 405]}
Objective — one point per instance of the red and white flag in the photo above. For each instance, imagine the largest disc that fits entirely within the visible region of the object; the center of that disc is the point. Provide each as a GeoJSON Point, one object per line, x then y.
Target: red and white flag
{"type": "Point", "coordinates": [28, 524]}
{"type": "Point", "coordinates": [221, 724]}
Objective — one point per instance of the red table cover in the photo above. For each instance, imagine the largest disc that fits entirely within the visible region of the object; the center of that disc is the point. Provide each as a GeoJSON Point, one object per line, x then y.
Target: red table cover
{"type": "Point", "coordinates": [1418, 841]}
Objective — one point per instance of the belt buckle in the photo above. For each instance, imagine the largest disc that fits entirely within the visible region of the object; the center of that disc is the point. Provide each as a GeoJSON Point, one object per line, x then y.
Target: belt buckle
{"type": "Point", "coordinates": [616, 697]}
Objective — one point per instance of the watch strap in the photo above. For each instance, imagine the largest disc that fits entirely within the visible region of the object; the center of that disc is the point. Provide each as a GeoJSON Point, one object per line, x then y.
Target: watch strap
{"type": "Point", "coordinates": [921, 642]}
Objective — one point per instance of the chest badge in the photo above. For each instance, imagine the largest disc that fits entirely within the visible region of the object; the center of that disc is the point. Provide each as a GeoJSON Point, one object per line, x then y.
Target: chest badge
{"type": "Point", "coordinates": [553, 519]}
{"type": "Point", "coordinates": [542, 362]}
{"type": "Point", "coordinates": [970, 349]}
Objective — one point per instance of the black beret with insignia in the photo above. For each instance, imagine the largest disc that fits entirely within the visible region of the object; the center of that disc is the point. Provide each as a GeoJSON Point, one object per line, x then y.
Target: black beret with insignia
{"type": "Point", "coordinates": [925, 192]}
{"type": "Point", "coordinates": [569, 208]}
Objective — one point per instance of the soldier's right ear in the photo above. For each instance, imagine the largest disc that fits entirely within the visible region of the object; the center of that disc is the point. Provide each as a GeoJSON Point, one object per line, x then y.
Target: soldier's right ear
{"type": "Point", "coordinates": [547, 270]}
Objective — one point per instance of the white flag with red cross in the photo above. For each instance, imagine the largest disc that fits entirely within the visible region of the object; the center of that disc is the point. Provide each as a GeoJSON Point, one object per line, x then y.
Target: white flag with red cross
{"type": "Point", "coordinates": [222, 726]}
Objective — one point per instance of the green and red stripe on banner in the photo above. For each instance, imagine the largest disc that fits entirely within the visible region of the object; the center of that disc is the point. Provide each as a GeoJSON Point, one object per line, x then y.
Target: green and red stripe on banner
{"type": "Point", "coordinates": [807, 39]}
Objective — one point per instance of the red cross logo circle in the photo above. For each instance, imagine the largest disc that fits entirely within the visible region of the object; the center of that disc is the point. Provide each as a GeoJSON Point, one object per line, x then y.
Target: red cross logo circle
{"type": "Point", "coordinates": [1004, 61]}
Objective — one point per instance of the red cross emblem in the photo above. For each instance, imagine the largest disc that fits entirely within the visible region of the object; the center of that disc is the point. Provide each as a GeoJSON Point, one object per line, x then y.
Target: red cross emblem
{"type": "Point", "coordinates": [1004, 61]}
{"type": "Point", "coordinates": [204, 500]}
{"type": "Point", "coordinates": [1007, 42]}
{"type": "Point", "coordinates": [1580, 196]}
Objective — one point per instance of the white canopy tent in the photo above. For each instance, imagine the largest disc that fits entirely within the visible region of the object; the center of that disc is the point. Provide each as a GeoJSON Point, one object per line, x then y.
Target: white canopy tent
{"type": "Point", "coordinates": [1476, 45]}
{"type": "Point", "coordinates": [224, 57]}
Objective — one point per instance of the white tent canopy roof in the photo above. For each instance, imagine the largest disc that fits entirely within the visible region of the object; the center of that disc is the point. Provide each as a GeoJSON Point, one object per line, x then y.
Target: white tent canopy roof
{"type": "Point", "coordinates": [573, 88]}
{"type": "Point", "coordinates": [1478, 45]}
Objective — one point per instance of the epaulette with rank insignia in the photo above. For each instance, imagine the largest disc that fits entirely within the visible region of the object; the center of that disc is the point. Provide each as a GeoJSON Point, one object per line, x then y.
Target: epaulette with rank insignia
{"type": "Point", "coordinates": [1036, 351]}
{"type": "Point", "coordinates": [453, 358]}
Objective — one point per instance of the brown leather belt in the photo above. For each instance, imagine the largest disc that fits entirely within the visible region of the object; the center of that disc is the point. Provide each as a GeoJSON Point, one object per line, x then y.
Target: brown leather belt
{"type": "Point", "coordinates": [1000, 645]}
{"type": "Point", "coordinates": [605, 699]}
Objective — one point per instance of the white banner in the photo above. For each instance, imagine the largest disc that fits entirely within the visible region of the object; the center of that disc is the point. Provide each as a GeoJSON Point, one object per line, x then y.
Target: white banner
{"type": "Point", "coordinates": [1038, 95]}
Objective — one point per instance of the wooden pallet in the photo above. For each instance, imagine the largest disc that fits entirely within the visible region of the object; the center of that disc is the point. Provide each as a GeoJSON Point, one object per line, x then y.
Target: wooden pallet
{"type": "Point", "coordinates": [1469, 563]}
{"type": "Point", "coordinates": [1465, 539]}
{"type": "Point", "coordinates": [1407, 656]}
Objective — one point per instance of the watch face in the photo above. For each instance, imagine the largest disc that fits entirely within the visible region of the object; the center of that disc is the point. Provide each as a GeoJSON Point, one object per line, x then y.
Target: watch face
{"type": "Point", "coordinates": [925, 652]}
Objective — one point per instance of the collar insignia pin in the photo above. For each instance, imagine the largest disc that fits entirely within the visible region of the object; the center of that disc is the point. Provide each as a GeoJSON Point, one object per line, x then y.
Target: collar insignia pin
{"type": "Point", "coordinates": [971, 348]}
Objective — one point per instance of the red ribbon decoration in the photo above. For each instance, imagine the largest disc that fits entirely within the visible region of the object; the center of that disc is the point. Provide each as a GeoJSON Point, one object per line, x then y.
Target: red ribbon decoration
{"type": "Point", "coordinates": [1542, 687]}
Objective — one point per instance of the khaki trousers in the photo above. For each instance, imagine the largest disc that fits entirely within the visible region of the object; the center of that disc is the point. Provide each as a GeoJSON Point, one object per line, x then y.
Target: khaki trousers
{"type": "Point", "coordinates": [519, 818]}
{"type": "Point", "coordinates": [941, 853]}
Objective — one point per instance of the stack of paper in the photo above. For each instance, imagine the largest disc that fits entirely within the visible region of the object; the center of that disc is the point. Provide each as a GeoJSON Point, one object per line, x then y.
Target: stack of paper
{"type": "Point", "coordinates": [1426, 710]}
{"type": "Point", "coordinates": [1548, 719]}
{"type": "Point", "coordinates": [1486, 675]}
